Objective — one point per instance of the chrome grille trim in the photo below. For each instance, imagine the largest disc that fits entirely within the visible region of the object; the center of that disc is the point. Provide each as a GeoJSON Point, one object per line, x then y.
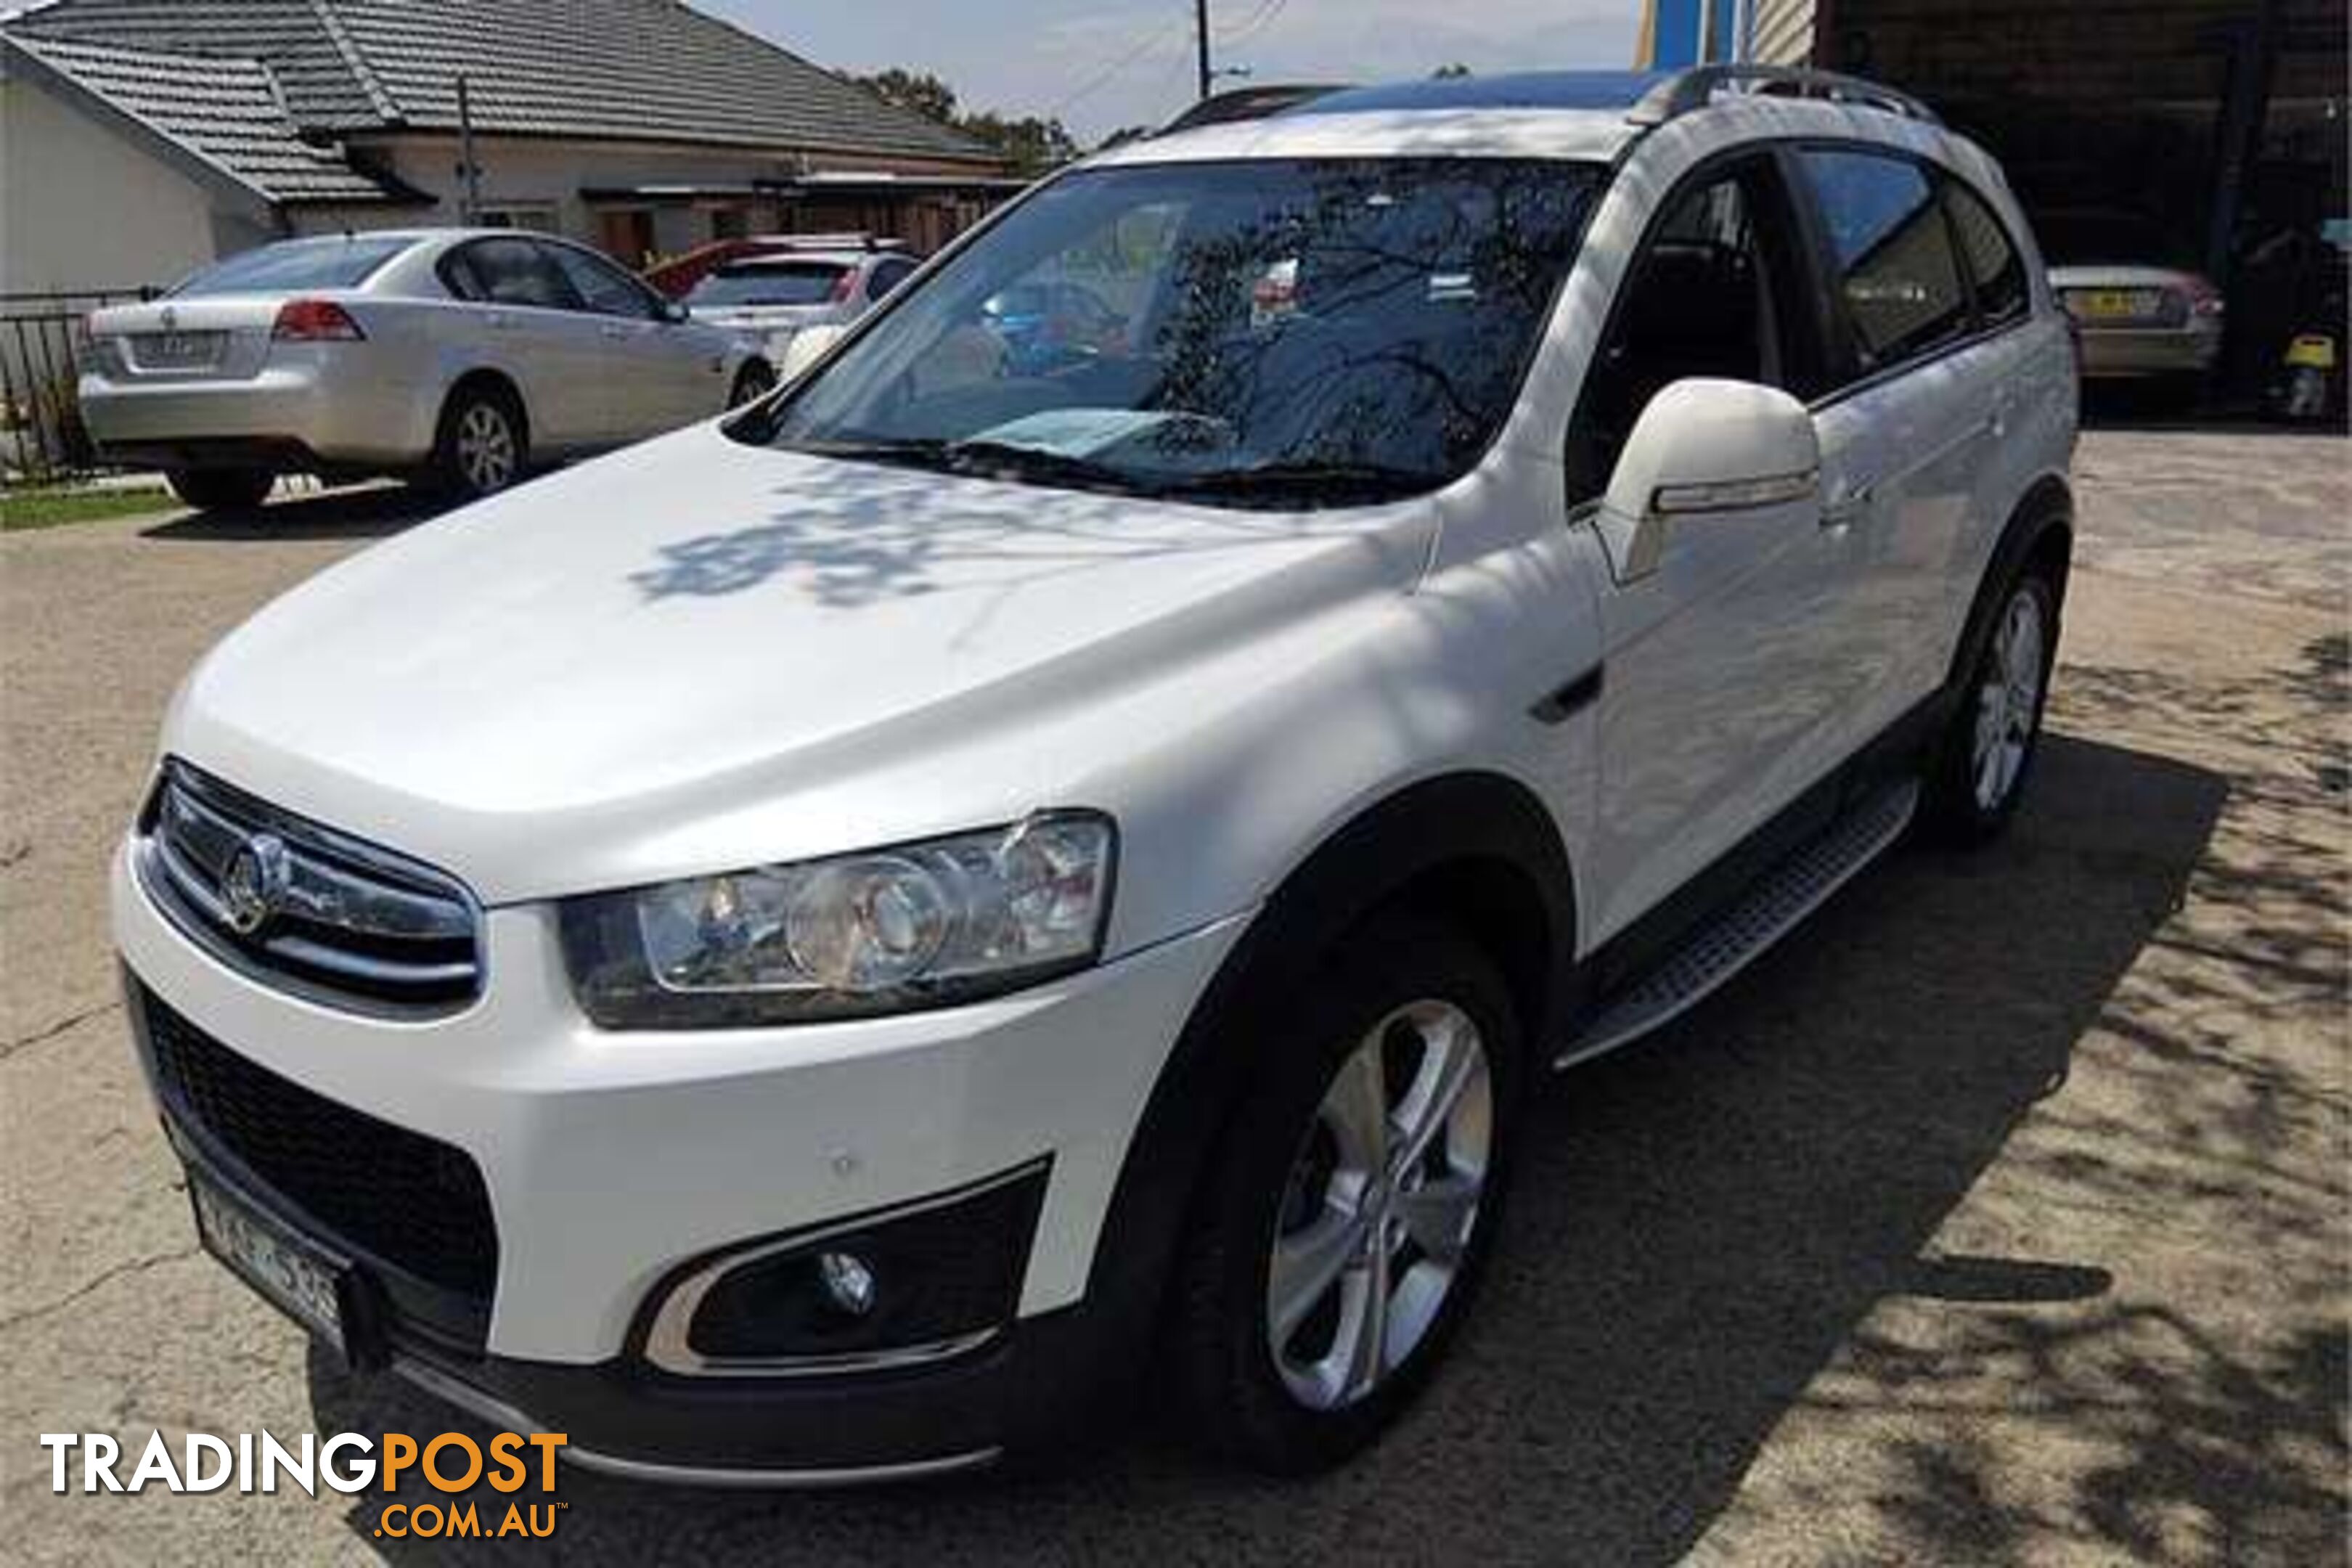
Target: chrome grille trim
{"type": "Point", "coordinates": [348, 924]}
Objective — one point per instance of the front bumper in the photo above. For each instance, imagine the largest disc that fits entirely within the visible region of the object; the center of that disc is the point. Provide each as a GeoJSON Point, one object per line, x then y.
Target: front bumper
{"type": "Point", "coordinates": [612, 1159]}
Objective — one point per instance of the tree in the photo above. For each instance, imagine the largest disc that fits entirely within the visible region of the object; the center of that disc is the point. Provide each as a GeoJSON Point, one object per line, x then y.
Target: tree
{"type": "Point", "coordinates": [1447, 72]}
{"type": "Point", "coordinates": [1030, 145]}
{"type": "Point", "coordinates": [1123, 135]}
{"type": "Point", "coordinates": [924, 93]}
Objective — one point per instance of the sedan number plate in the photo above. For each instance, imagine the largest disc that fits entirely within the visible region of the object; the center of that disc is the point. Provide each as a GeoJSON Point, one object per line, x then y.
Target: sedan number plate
{"type": "Point", "coordinates": [2111, 304]}
{"type": "Point", "coordinates": [179, 350]}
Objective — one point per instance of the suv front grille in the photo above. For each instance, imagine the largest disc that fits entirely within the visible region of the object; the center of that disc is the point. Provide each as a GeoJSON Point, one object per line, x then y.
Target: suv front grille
{"type": "Point", "coordinates": [409, 1202]}
{"type": "Point", "coordinates": [303, 907]}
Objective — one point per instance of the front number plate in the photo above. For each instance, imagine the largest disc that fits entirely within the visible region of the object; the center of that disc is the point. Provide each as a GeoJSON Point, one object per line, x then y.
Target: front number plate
{"type": "Point", "coordinates": [267, 1257]}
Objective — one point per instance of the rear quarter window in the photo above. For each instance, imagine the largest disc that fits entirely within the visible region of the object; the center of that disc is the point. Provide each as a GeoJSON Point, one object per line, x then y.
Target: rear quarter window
{"type": "Point", "coordinates": [1996, 270]}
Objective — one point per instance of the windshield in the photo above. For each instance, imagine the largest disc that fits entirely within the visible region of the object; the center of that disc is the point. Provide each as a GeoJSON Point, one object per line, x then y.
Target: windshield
{"type": "Point", "coordinates": [1293, 333]}
{"type": "Point", "coordinates": [298, 264]}
{"type": "Point", "coordinates": [793, 283]}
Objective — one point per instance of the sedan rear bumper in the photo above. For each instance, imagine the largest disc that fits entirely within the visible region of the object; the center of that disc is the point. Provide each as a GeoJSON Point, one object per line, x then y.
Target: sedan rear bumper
{"type": "Point", "coordinates": [2150, 351]}
{"type": "Point", "coordinates": [291, 415]}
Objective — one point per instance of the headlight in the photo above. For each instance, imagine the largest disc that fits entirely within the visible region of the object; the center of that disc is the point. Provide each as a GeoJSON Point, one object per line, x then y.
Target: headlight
{"type": "Point", "coordinates": [919, 925]}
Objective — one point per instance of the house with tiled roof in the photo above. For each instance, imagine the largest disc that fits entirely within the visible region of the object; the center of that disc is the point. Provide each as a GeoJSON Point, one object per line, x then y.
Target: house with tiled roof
{"type": "Point", "coordinates": [141, 138]}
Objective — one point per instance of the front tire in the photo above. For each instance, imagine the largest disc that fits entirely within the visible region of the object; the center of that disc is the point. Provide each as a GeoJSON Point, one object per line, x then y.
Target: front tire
{"type": "Point", "coordinates": [752, 383]}
{"type": "Point", "coordinates": [1987, 753]}
{"type": "Point", "coordinates": [482, 446]}
{"type": "Point", "coordinates": [1352, 1203]}
{"type": "Point", "coordinates": [221, 490]}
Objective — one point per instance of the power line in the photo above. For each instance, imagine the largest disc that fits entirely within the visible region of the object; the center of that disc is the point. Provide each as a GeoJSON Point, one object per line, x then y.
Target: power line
{"type": "Point", "coordinates": [1259, 21]}
{"type": "Point", "coordinates": [1102, 78]}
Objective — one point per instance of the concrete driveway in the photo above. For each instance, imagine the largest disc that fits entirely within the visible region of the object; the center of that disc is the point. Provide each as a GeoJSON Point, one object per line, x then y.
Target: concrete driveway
{"type": "Point", "coordinates": [2001, 1218]}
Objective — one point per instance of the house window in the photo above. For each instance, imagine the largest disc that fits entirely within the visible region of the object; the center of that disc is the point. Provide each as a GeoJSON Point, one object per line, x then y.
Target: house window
{"type": "Point", "coordinates": [729, 223]}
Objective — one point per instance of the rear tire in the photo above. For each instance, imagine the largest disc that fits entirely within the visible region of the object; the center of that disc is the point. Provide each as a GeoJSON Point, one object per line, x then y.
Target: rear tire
{"type": "Point", "coordinates": [221, 490]}
{"type": "Point", "coordinates": [1985, 757]}
{"type": "Point", "coordinates": [1317, 1204]}
{"type": "Point", "coordinates": [483, 445]}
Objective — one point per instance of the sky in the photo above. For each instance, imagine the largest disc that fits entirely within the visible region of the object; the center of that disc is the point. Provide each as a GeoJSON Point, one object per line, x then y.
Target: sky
{"type": "Point", "coordinates": [1102, 64]}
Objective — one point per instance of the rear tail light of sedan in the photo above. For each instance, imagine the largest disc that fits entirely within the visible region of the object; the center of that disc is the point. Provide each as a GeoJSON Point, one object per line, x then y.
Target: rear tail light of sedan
{"type": "Point", "coordinates": [315, 321]}
{"type": "Point", "coordinates": [2204, 300]}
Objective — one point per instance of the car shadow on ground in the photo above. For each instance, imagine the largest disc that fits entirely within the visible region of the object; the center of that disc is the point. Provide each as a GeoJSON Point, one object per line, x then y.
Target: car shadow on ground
{"type": "Point", "coordinates": [1701, 1226]}
{"type": "Point", "coordinates": [371, 511]}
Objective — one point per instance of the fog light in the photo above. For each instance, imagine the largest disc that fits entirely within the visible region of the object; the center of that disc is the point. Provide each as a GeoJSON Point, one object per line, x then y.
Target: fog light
{"type": "Point", "coordinates": [849, 1281]}
{"type": "Point", "coordinates": [954, 1263]}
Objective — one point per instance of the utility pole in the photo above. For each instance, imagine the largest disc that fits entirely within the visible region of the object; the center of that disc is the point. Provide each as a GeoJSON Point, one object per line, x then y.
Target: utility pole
{"type": "Point", "coordinates": [470, 202]}
{"type": "Point", "coordinates": [1200, 25]}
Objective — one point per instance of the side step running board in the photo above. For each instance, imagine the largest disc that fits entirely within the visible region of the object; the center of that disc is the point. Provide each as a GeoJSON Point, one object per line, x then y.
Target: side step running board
{"type": "Point", "coordinates": [1771, 906]}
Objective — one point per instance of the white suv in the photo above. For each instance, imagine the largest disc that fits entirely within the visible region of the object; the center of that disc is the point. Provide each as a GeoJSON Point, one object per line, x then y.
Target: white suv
{"type": "Point", "coordinates": [823, 946]}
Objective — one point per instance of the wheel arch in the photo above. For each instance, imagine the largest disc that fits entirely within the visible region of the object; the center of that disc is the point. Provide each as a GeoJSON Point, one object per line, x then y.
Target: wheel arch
{"type": "Point", "coordinates": [2040, 530]}
{"type": "Point", "coordinates": [489, 377]}
{"type": "Point", "coordinates": [1476, 849]}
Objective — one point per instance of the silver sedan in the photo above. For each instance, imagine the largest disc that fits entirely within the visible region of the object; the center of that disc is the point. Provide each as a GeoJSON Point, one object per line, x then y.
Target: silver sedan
{"type": "Point", "coordinates": [453, 357]}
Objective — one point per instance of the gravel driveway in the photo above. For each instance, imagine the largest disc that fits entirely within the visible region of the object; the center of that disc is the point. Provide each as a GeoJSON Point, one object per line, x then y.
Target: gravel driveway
{"type": "Point", "coordinates": [2000, 1218]}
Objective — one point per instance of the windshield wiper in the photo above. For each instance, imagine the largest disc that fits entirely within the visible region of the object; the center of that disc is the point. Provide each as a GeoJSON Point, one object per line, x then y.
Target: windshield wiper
{"type": "Point", "coordinates": [1318, 479]}
{"type": "Point", "coordinates": [1010, 459]}
{"type": "Point", "coordinates": [983, 458]}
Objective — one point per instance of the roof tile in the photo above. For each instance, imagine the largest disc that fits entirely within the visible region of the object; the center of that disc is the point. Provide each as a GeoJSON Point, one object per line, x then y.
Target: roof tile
{"type": "Point", "coordinates": [606, 69]}
{"type": "Point", "coordinates": [229, 112]}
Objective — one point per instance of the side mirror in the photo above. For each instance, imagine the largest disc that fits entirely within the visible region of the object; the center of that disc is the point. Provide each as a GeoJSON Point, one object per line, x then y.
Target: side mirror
{"type": "Point", "coordinates": [807, 346]}
{"type": "Point", "coordinates": [1701, 447]}
{"type": "Point", "coordinates": [675, 311]}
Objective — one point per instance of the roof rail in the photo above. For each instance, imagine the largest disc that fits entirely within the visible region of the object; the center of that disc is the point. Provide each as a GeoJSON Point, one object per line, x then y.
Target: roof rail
{"type": "Point", "coordinates": [1695, 89]}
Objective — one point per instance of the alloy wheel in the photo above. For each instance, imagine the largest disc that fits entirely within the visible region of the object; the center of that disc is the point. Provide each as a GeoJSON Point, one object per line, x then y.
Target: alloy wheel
{"type": "Point", "coordinates": [2009, 701]}
{"type": "Point", "coordinates": [1379, 1206]}
{"type": "Point", "coordinates": [485, 449]}
{"type": "Point", "coordinates": [750, 387]}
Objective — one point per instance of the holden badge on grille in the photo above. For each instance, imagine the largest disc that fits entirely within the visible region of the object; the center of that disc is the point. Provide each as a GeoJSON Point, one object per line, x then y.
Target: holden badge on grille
{"type": "Point", "coordinates": [255, 883]}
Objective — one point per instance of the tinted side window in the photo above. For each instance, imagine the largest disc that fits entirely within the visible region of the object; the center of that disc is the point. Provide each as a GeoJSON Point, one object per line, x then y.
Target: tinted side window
{"type": "Point", "coordinates": [1892, 252]}
{"type": "Point", "coordinates": [517, 273]}
{"type": "Point", "coordinates": [1995, 269]}
{"type": "Point", "coordinates": [602, 286]}
{"type": "Point", "coordinates": [1716, 291]}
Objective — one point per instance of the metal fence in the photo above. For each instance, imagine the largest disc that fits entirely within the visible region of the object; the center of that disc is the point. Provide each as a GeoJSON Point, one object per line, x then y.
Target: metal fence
{"type": "Point", "coordinates": [41, 433]}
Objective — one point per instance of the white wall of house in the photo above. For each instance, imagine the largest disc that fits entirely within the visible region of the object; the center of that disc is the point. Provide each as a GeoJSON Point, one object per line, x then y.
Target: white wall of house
{"type": "Point", "coordinates": [85, 205]}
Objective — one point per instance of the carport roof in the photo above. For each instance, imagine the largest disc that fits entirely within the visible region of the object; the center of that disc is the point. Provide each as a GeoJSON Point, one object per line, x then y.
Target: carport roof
{"type": "Point", "coordinates": [636, 70]}
{"type": "Point", "coordinates": [225, 116]}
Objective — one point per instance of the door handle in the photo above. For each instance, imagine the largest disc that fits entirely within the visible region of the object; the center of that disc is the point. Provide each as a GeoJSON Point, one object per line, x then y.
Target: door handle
{"type": "Point", "coordinates": [1997, 422]}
